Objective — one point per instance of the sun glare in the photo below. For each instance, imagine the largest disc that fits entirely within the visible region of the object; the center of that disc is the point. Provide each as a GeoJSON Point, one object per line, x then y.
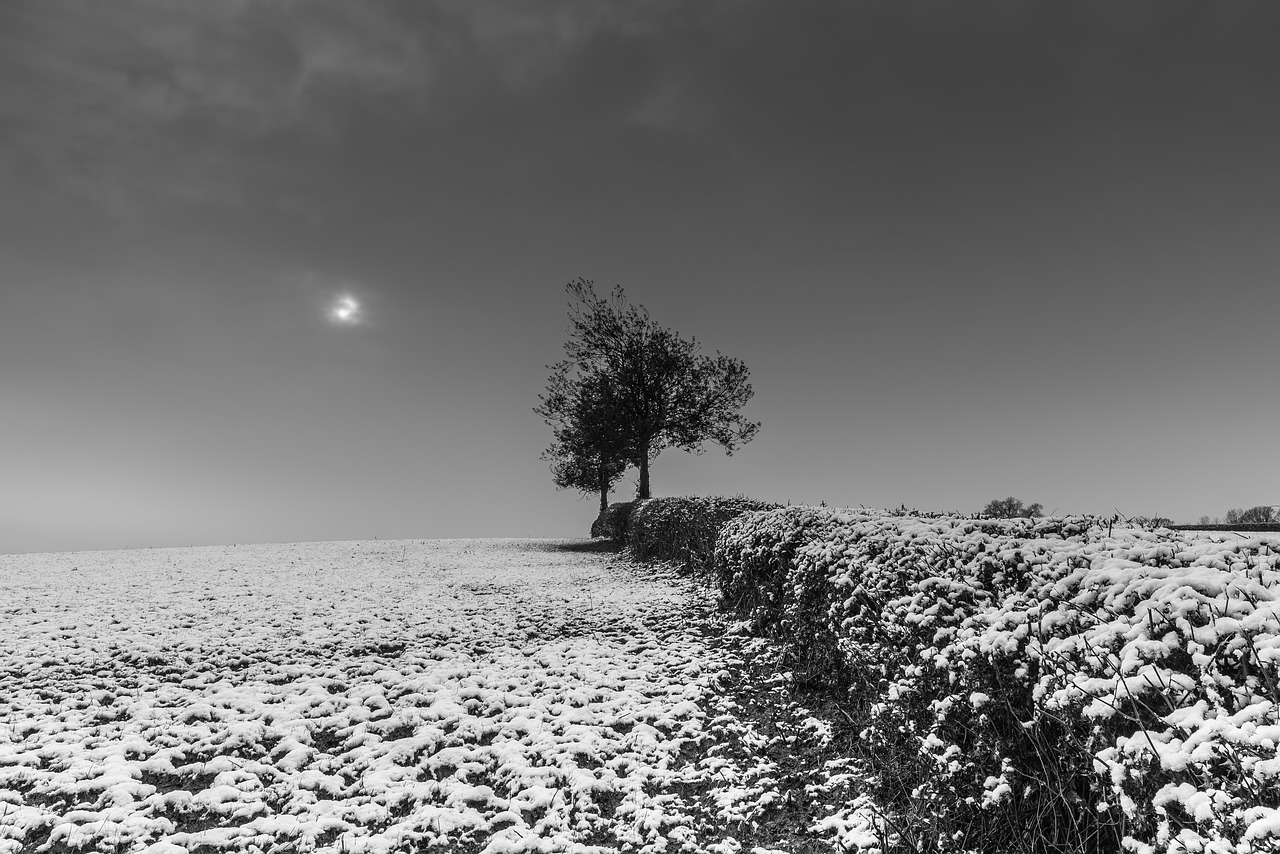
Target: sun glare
{"type": "Point", "coordinates": [345, 310]}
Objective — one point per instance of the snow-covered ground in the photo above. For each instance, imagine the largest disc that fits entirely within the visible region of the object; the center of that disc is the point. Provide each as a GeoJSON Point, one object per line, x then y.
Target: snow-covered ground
{"type": "Point", "coordinates": [1233, 536]}
{"type": "Point", "coordinates": [479, 695]}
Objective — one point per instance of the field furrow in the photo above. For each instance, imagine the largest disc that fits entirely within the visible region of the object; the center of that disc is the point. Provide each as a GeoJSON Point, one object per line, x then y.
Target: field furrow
{"type": "Point", "coordinates": [499, 695]}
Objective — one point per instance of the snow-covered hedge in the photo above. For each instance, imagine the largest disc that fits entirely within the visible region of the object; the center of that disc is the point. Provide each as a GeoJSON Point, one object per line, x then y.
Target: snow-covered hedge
{"type": "Point", "coordinates": [612, 523]}
{"type": "Point", "coordinates": [755, 554]}
{"type": "Point", "coordinates": [1036, 676]}
{"type": "Point", "coordinates": [683, 529]}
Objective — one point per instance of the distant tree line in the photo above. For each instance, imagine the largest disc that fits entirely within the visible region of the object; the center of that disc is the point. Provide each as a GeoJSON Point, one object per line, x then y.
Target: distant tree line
{"type": "Point", "coordinates": [1011, 508]}
{"type": "Point", "coordinates": [628, 388]}
{"type": "Point", "coordinates": [1150, 521]}
{"type": "Point", "coordinates": [1263, 514]}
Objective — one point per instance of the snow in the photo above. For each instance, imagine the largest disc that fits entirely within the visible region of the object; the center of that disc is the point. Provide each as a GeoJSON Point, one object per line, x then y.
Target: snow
{"type": "Point", "coordinates": [1157, 652]}
{"type": "Point", "coordinates": [362, 697]}
{"type": "Point", "coordinates": [517, 695]}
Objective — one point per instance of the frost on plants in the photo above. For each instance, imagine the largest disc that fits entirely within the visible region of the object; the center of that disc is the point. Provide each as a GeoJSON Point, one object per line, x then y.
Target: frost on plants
{"type": "Point", "coordinates": [683, 529]}
{"type": "Point", "coordinates": [1035, 675]}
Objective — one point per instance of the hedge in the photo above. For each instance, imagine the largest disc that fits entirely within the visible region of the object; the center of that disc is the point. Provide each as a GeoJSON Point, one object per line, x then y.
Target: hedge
{"type": "Point", "coordinates": [612, 523]}
{"type": "Point", "coordinates": [1035, 684]}
{"type": "Point", "coordinates": [683, 529]}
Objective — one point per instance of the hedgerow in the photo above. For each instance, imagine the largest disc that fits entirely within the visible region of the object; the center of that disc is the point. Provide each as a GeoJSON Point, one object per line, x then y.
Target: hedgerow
{"type": "Point", "coordinates": [755, 554]}
{"type": "Point", "coordinates": [683, 529]}
{"type": "Point", "coordinates": [1033, 684]}
{"type": "Point", "coordinates": [612, 523]}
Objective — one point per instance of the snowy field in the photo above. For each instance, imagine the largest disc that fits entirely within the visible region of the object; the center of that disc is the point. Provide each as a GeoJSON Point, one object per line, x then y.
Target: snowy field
{"type": "Point", "coordinates": [1233, 536]}
{"type": "Point", "coordinates": [476, 695]}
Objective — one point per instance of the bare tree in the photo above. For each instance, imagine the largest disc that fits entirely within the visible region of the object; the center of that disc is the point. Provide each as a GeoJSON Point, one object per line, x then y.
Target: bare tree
{"type": "Point", "coordinates": [1262, 514]}
{"type": "Point", "coordinates": [1011, 508]}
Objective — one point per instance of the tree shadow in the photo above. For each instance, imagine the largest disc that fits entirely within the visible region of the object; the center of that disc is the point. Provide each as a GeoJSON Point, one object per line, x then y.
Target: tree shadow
{"type": "Point", "coordinates": [601, 545]}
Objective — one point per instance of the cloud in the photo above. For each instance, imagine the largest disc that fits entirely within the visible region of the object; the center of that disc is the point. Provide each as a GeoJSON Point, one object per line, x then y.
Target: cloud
{"type": "Point", "coordinates": [122, 102]}
{"type": "Point", "coordinates": [524, 44]}
{"type": "Point", "coordinates": [248, 65]}
{"type": "Point", "coordinates": [132, 103]}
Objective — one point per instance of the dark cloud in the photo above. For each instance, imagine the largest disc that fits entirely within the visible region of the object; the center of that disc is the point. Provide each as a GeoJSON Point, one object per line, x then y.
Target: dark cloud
{"type": "Point", "coordinates": [133, 104]}
{"type": "Point", "coordinates": [95, 88]}
{"type": "Point", "coordinates": [125, 103]}
{"type": "Point", "coordinates": [333, 117]}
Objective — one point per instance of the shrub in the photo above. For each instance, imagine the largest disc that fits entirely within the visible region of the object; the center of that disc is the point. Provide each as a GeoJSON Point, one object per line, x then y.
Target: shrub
{"type": "Point", "coordinates": [612, 523]}
{"type": "Point", "coordinates": [1035, 684]}
{"type": "Point", "coordinates": [1140, 671]}
{"type": "Point", "coordinates": [683, 529]}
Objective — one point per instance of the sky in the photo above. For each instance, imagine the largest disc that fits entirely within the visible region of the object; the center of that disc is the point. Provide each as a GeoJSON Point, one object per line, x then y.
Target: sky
{"type": "Point", "coordinates": [967, 249]}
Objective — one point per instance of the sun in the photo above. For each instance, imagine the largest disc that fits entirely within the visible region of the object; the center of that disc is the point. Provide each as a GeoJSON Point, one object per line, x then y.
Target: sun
{"type": "Point", "coordinates": [345, 310]}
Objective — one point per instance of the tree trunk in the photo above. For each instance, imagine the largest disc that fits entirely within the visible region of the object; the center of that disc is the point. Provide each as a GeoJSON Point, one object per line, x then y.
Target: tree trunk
{"type": "Point", "coordinates": [644, 477]}
{"type": "Point", "coordinates": [604, 489]}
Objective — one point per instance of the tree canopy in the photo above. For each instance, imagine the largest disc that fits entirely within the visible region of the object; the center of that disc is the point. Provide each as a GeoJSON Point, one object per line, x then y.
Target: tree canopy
{"type": "Point", "coordinates": [588, 451]}
{"type": "Point", "coordinates": [652, 389]}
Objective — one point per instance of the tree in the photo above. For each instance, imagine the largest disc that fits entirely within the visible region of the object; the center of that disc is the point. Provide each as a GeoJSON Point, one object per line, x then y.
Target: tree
{"type": "Point", "coordinates": [1262, 514]}
{"type": "Point", "coordinates": [1011, 508]}
{"type": "Point", "coordinates": [664, 392]}
{"type": "Point", "coordinates": [588, 453]}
